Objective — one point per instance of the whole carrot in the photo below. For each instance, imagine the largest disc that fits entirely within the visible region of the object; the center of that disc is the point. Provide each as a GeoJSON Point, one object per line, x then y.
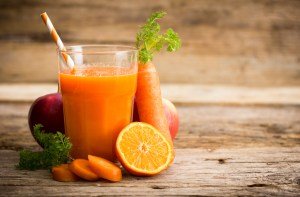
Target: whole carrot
{"type": "Point", "coordinates": [148, 95]}
{"type": "Point", "coordinates": [149, 100]}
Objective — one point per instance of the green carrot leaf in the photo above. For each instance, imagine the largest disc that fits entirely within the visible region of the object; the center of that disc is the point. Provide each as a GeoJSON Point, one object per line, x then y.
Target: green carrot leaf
{"type": "Point", "coordinates": [56, 151]}
{"type": "Point", "coordinates": [149, 39]}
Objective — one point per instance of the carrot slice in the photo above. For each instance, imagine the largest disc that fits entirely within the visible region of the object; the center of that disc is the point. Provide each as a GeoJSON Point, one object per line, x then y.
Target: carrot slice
{"type": "Point", "coordinates": [63, 174]}
{"type": "Point", "coordinates": [105, 169]}
{"type": "Point", "coordinates": [81, 168]}
{"type": "Point", "coordinates": [149, 101]}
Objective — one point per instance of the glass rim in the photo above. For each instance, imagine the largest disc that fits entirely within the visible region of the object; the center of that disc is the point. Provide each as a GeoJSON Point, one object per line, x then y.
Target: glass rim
{"type": "Point", "coordinates": [111, 49]}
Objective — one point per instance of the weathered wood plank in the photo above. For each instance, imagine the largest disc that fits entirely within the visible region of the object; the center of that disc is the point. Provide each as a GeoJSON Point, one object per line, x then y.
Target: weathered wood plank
{"type": "Point", "coordinates": [253, 43]}
{"type": "Point", "coordinates": [200, 21]}
{"type": "Point", "coordinates": [195, 94]}
{"type": "Point", "coordinates": [233, 126]}
{"type": "Point", "coordinates": [25, 92]}
{"type": "Point", "coordinates": [225, 172]}
{"type": "Point", "coordinates": [178, 93]}
{"type": "Point", "coordinates": [189, 65]}
{"type": "Point", "coordinates": [210, 127]}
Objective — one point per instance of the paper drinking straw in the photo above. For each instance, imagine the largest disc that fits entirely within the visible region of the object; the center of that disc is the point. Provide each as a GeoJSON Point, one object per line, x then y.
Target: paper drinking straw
{"type": "Point", "coordinates": [57, 39]}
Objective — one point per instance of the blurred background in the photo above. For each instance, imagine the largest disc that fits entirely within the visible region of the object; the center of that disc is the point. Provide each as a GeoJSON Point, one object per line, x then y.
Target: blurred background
{"type": "Point", "coordinates": [228, 42]}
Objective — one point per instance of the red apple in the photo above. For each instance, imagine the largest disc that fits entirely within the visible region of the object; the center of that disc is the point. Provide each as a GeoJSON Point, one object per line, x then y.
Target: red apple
{"type": "Point", "coordinates": [48, 111]}
{"type": "Point", "coordinates": [172, 117]}
{"type": "Point", "coordinates": [171, 114]}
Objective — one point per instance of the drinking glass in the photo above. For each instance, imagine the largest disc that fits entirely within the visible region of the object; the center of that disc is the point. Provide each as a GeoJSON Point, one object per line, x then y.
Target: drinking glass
{"type": "Point", "coordinates": [98, 95]}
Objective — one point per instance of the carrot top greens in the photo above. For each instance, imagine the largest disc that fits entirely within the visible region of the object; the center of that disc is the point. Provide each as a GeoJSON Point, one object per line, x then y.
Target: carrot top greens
{"type": "Point", "coordinates": [56, 151]}
{"type": "Point", "coordinates": [149, 39]}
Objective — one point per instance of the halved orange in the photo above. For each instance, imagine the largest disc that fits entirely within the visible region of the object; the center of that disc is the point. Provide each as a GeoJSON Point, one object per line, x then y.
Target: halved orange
{"type": "Point", "coordinates": [143, 150]}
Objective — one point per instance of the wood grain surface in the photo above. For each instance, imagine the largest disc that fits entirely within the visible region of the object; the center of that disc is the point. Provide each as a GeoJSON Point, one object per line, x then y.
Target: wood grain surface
{"type": "Point", "coordinates": [223, 172]}
{"type": "Point", "coordinates": [231, 42]}
{"type": "Point", "coordinates": [210, 127]}
{"type": "Point", "coordinates": [185, 94]}
{"type": "Point", "coordinates": [222, 149]}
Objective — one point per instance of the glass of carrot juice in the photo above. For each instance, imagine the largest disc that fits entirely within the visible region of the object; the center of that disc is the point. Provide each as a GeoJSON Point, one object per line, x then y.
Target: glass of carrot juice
{"type": "Point", "coordinates": [98, 95]}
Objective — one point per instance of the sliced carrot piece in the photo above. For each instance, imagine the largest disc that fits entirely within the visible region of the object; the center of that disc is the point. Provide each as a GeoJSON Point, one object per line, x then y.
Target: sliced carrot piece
{"type": "Point", "coordinates": [105, 169]}
{"type": "Point", "coordinates": [63, 174]}
{"type": "Point", "coordinates": [81, 168]}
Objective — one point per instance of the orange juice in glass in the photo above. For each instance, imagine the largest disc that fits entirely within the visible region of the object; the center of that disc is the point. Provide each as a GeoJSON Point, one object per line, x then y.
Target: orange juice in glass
{"type": "Point", "coordinates": [97, 96]}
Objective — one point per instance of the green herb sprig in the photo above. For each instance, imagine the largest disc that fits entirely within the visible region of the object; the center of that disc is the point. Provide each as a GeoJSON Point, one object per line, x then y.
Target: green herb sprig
{"type": "Point", "coordinates": [56, 151]}
{"type": "Point", "coordinates": [149, 39]}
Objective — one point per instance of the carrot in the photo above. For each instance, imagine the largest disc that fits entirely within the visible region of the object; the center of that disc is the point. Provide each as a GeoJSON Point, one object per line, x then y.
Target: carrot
{"type": "Point", "coordinates": [150, 40]}
{"type": "Point", "coordinates": [81, 168]}
{"type": "Point", "coordinates": [149, 100]}
{"type": "Point", "coordinates": [63, 174]}
{"type": "Point", "coordinates": [105, 169]}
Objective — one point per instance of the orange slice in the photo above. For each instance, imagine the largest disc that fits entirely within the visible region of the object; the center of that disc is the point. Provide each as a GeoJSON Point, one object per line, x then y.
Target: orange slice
{"type": "Point", "coordinates": [143, 150]}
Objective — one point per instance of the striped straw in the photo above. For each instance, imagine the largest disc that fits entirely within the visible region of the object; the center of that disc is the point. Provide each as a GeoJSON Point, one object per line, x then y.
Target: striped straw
{"type": "Point", "coordinates": [57, 39]}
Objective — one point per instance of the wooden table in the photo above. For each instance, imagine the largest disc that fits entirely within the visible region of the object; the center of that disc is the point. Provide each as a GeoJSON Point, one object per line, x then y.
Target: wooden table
{"type": "Point", "coordinates": [232, 141]}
